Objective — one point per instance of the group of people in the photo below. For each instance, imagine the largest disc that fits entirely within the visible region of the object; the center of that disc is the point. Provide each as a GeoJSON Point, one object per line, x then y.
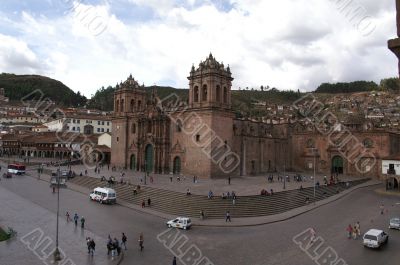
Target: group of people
{"type": "Point", "coordinates": [264, 192]}
{"type": "Point", "coordinates": [91, 245]}
{"type": "Point", "coordinates": [76, 219]}
{"type": "Point", "coordinates": [353, 231]}
{"type": "Point", "coordinates": [148, 203]}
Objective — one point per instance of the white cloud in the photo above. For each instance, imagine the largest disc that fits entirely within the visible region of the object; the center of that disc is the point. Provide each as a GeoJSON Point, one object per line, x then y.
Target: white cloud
{"type": "Point", "coordinates": [286, 44]}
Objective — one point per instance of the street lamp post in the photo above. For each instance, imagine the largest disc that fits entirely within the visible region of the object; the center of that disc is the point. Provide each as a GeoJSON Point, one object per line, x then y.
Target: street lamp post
{"type": "Point", "coordinates": [57, 255]}
{"type": "Point", "coordinates": [315, 154]}
{"type": "Point", "coordinates": [284, 176]}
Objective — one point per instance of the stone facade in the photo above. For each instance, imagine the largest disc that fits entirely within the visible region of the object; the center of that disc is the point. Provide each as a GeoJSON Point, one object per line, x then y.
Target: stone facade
{"type": "Point", "coordinates": [200, 137]}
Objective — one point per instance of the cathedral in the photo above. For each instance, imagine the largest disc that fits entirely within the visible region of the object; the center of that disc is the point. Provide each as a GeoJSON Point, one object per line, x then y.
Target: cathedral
{"type": "Point", "coordinates": [202, 136]}
{"type": "Point", "coordinates": [199, 137]}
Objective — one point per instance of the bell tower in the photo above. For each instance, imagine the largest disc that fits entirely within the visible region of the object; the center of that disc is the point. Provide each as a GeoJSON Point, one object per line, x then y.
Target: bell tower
{"type": "Point", "coordinates": [210, 85]}
{"type": "Point", "coordinates": [129, 101]}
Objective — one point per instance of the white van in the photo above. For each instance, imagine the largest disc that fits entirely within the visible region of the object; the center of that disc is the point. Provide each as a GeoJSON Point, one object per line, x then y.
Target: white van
{"type": "Point", "coordinates": [374, 238]}
{"type": "Point", "coordinates": [180, 222]}
{"type": "Point", "coordinates": [103, 195]}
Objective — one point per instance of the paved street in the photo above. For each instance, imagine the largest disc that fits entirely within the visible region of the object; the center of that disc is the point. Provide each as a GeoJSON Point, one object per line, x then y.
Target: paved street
{"type": "Point", "coordinates": [28, 203]}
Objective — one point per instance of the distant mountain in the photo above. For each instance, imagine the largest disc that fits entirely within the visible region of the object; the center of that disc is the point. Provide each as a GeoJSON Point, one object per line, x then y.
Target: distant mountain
{"type": "Point", "coordinates": [18, 87]}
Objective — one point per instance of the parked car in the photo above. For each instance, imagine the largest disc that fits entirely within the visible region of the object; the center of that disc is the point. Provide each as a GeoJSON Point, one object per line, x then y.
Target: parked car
{"type": "Point", "coordinates": [180, 222]}
{"type": "Point", "coordinates": [394, 223]}
{"type": "Point", "coordinates": [375, 238]}
{"type": "Point", "coordinates": [103, 195]}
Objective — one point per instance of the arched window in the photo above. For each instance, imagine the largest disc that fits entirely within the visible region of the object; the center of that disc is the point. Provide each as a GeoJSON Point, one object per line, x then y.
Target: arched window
{"type": "Point", "coordinates": [122, 105]}
{"type": "Point", "coordinates": [139, 104]}
{"type": "Point", "coordinates": [133, 128]}
{"type": "Point", "coordinates": [117, 106]}
{"type": "Point", "coordinates": [196, 94]}
{"type": "Point", "coordinates": [132, 105]}
{"type": "Point", "coordinates": [218, 92]}
{"type": "Point", "coordinates": [225, 95]}
{"type": "Point", "coordinates": [178, 125]}
{"type": "Point", "coordinates": [204, 93]}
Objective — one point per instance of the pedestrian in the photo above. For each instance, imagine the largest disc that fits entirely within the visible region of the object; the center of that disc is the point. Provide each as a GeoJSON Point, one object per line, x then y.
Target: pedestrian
{"type": "Point", "coordinates": [354, 232]}
{"type": "Point", "coordinates": [92, 246]}
{"type": "Point", "coordinates": [117, 246]}
{"type": "Point", "coordinates": [83, 222]}
{"type": "Point", "coordinates": [228, 216]}
{"type": "Point", "coordinates": [141, 241]}
{"type": "Point", "coordinates": [382, 207]}
{"type": "Point", "coordinates": [149, 202]}
{"type": "Point", "coordinates": [234, 201]}
{"type": "Point", "coordinates": [123, 241]}
{"type": "Point", "coordinates": [76, 218]}
{"type": "Point", "coordinates": [349, 230]}
{"type": "Point", "coordinates": [109, 245]}
{"type": "Point", "coordinates": [201, 214]}
{"type": "Point", "coordinates": [54, 189]}
{"type": "Point", "coordinates": [229, 180]}
{"type": "Point", "coordinates": [68, 218]}
{"type": "Point", "coordinates": [88, 244]}
{"type": "Point", "coordinates": [358, 228]}
{"type": "Point", "coordinates": [143, 204]}
{"type": "Point", "coordinates": [174, 261]}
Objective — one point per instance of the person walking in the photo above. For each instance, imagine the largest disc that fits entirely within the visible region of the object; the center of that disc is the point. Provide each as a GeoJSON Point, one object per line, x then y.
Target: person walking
{"type": "Point", "coordinates": [149, 202]}
{"type": "Point", "coordinates": [83, 222]}
{"type": "Point", "coordinates": [141, 241]}
{"type": "Point", "coordinates": [228, 216]}
{"type": "Point", "coordinates": [382, 207]}
{"type": "Point", "coordinates": [229, 180]}
{"type": "Point", "coordinates": [143, 204]}
{"type": "Point", "coordinates": [358, 228]}
{"type": "Point", "coordinates": [117, 246]}
{"type": "Point", "coordinates": [109, 245]}
{"type": "Point", "coordinates": [88, 244]}
{"type": "Point", "coordinates": [76, 218]}
{"type": "Point", "coordinates": [174, 261]}
{"type": "Point", "coordinates": [123, 241]}
{"type": "Point", "coordinates": [354, 232]}
{"type": "Point", "coordinates": [68, 218]}
{"type": "Point", "coordinates": [349, 230]}
{"type": "Point", "coordinates": [92, 246]}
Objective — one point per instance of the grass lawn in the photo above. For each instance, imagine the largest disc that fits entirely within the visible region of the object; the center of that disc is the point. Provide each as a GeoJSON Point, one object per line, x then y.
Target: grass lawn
{"type": "Point", "coordinates": [3, 235]}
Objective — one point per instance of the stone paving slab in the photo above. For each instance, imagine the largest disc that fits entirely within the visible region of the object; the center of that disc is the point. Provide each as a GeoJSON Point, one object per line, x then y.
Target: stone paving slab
{"type": "Point", "coordinates": [36, 227]}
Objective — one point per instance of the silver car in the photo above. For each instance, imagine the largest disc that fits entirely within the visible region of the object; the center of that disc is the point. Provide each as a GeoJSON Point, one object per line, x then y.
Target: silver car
{"type": "Point", "coordinates": [394, 223]}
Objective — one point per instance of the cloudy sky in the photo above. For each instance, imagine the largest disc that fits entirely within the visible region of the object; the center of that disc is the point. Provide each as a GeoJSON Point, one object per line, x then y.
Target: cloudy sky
{"type": "Point", "coordinates": [288, 44]}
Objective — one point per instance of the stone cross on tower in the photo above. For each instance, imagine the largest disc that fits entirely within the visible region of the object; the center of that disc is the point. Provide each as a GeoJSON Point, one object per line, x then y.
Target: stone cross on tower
{"type": "Point", "coordinates": [394, 44]}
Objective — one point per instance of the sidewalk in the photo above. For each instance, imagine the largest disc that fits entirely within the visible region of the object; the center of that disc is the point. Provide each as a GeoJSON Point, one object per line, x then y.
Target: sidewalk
{"type": "Point", "coordinates": [247, 185]}
{"type": "Point", "coordinates": [236, 222]}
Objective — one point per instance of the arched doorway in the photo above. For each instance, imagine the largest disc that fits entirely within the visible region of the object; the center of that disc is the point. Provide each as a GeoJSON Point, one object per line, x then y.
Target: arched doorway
{"type": "Point", "coordinates": [177, 165]}
{"type": "Point", "coordinates": [392, 184]}
{"type": "Point", "coordinates": [337, 164]}
{"type": "Point", "coordinates": [133, 162]}
{"type": "Point", "coordinates": [148, 156]}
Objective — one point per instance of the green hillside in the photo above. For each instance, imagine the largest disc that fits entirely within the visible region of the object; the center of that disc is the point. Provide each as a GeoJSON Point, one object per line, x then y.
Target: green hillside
{"type": "Point", "coordinates": [18, 87]}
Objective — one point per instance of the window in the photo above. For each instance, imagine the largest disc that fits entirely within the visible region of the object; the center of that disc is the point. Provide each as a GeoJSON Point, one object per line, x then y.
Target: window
{"type": "Point", "coordinates": [102, 129]}
{"type": "Point", "coordinates": [196, 94]}
{"type": "Point", "coordinates": [204, 93]}
{"type": "Point", "coordinates": [197, 137]}
{"type": "Point", "coordinates": [117, 106]}
{"type": "Point", "coordinates": [102, 123]}
{"type": "Point", "coordinates": [139, 104]}
{"type": "Point", "coordinates": [108, 123]}
{"type": "Point", "coordinates": [218, 90]}
{"type": "Point", "coordinates": [98, 129]}
{"type": "Point", "coordinates": [73, 128]}
{"type": "Point", "coordinates": [79, 121]}
{"type": "Point", "coordinates": [133, 128]}
{"type": "Point", "coordinates": [78, 128]}
{"type": "Point", "coordinates": [108, 130]}
{"type": "Point", "coordinates": [73, 121]}
{"type": "Point", "coordinates": [225, 95]}
{"type": "Point", "coordinates": [132, 105]}
{"type": "Point", "coordinates": [98, 122]}
{"type": "Point", "coordinates": [122, 105]}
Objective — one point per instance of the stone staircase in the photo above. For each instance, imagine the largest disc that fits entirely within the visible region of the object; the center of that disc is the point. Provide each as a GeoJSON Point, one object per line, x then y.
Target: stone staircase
{"type": "Point", "coordinates": [180, 204]}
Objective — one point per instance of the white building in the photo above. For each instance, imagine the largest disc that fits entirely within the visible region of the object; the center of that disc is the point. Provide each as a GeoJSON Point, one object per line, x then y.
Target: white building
{"type": "Point", "coordinates": [87, 124]}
